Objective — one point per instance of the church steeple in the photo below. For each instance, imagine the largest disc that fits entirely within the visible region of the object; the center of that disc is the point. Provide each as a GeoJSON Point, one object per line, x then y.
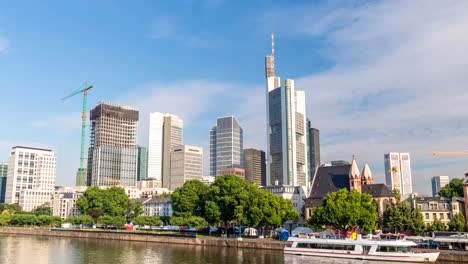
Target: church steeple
{"type": "Point", "coordinates": [354, 177]}
{"type": "Point", "coordinates": [366, 175]}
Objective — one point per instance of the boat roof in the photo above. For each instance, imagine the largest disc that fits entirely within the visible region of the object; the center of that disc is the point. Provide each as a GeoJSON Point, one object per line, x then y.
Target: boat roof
{"type": "Point", "coordinates": [364, 242]}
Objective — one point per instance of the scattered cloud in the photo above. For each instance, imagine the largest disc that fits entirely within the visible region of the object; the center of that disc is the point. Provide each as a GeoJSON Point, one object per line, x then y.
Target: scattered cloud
{"type": "Point", "coordinates": [4, 45]}
{"type": "Point", "coordinates": [398, 82]}
{"type": "Point", "coordinates": [170, 28]}
{"type": "Point", "coordinates": [59, 124]}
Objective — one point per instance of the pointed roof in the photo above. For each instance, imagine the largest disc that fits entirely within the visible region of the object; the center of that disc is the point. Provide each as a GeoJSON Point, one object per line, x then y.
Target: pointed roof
{"type": "Point", "coordinates": [354, 171]}
{"type": "Point", "coordinates": [366, 172]}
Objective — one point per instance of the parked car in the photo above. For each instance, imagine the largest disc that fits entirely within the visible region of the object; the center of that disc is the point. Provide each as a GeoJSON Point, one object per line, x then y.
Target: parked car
{"type": "Point", "coordinates": [207, 230]}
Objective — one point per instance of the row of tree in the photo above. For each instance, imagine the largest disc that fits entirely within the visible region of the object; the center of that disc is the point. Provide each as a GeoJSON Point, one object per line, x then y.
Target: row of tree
{"type": "Point", "coordinates": [229, 199]}
{"type": "Point", "coordinates": [12, 214]}
{"type": "Point", "coordinates": [343, 210]}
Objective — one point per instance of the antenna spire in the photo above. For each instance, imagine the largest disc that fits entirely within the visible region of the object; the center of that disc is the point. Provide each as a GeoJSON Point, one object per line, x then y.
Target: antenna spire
{"type": "Point", "coordinates": [273, 48]}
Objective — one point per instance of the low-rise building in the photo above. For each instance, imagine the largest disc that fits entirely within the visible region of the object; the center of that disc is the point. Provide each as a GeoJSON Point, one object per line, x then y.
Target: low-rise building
{"type": "Point", "coordinates": [208, 180]}
{"type": "Point", "coordinates": [64, 201]}
{"type": "Point", "coordinates": [30, 199]}
{"type": "Point", "coordinates": [296, 194]}
{"type": "Point", "coordinates": [157, 206]}
{"type": "Point", "coordinates": [240, 172]}
{"type": "Point", "coordinates": [440, 208]}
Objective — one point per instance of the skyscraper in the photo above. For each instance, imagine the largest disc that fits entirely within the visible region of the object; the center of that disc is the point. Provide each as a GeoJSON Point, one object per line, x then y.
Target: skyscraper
{"type": "Point", "coordinates": [226, 145]}
{"type": "Point", "coordinates": [313, 141]}
{"type": "Point", "coordinates": [3, 180]}
{"type": "Point", "coordinates": [438, 182]}
{"type": "Point", "coordinates": [398, 172]}
{"type": "Point", "coordinates": [286, 130]}
{"type": "Point", "coordinates": [113, 153]}
{"type": "Point", "coordinates": [142, 167]}
{"type": "Point", "coordinates": [31, 177]}
{"type": "Point", "coordinates": [186, 164]}
{"type": "Point", "coordinates": [255, 166]}
{"type": "Point", "coordinates": [165, 132]}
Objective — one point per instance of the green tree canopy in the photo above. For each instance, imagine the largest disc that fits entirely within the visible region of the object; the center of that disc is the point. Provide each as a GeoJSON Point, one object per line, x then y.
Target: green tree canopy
{"type": "Point", "coordinates": [134, 209]}
{"type": "Point", "coordinates": [80, 220]}
{"type": "Point", "coordinates": [143, 220]}
{"type": "Point", "coordinates": [454, 189]}
{"type": "Point", "coordinates": [97, 202]}
{"type": "Point", "coordinates": [189, 199]}
{"type": "Point", "coordinates": [457, 223]}
{"type": "Point", "coordinates": [345, 210]}
{"type": "Point", "coordinates": [401, 218]}
{"type": "Point", "coordinates": [437, 225]}
{"type": "Point", "coordinates": [107, 220]}
{"type": "Point", "coordinates": [191, 221]}
{"type": "Point", "coordinates": [12, 208]}
{"type": "Point", "coordinates": [44, 209]}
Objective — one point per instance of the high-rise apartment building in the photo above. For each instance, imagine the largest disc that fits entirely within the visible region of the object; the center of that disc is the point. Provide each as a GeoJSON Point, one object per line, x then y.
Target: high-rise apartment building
{"type": "Point", "coordinates": [3, 180]}
{"type": "Point", "coordinates": [226, 145]}
{"type": "Point", "coordinates": [113, 153]}
{"type": "Point", "coordinates": [31, 177]}
{"type": "Point", "coordinates": [438, 182]}
{"type": "Point", "coordinates": [286, 130]}
{"type": "Point", "coordinates": [186, 164]}
{"type": "Point", "coordinates": [313, 151]}
{"type": "Point", "coordinates": [255, 166]}
{"type": "Point", "coordinates": [165, 132]}
{"type": "Point", "coordinates": [142, 168]}
{"type": "Point", "coordinates": [398, 172]}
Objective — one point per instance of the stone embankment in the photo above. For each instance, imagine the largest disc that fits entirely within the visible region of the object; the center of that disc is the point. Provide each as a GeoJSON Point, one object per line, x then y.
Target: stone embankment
{"type": "Point", "coordinates": [445, 255]}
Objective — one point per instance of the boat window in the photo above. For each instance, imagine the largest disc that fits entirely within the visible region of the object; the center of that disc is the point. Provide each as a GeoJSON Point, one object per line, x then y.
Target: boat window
{"type": "Point", "coordinates": [350, 247]}
{"type": "Point", "coordinates": [302, 245]}
{"type": "Point", "coordinates": [366, 249]}
{"type": "Point", "coordinates": [391, 249]}
{"type": "Point", "coordinates": [326, 246]}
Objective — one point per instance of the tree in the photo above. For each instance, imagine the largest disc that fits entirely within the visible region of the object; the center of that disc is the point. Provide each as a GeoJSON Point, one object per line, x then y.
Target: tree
{"type": "Point", "coordinates": [189, 199]}
{"type": "Point", "coordinates": [345, 210]}
{"type": "Point", "coordinates": [134, 209]}
{"type": "Point", "coordinates": [454, 189]}
{"type": "Point", "coordinates": [143, 220]}
{"type": "Point", "coordinates": [80, 220]}
{"type": "Point", "coordinates": [437, 225]}
{"type": "Point", "coordinates": [97, 202]}
{"type": "Point", "coordinates": [12, 208]}
{"type": "Point", "coordinates": [107, 220]}
{"type": "Point", "coordinates": [5, 218]}
{"type": "Point", "coordinates": [192, 221]}
{"type": "Point", "coordinates": [44, 209]}
{"type": "Point", "coordinates": [400, 218]}
{"type": "Point", "coordinates": [457, 223]}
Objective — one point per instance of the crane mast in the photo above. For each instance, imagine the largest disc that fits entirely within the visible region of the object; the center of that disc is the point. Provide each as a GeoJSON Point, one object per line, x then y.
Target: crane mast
{"type": "Point", "coordinates": [83, 130]}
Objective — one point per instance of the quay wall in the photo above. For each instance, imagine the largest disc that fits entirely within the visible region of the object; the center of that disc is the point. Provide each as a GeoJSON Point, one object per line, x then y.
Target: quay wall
{"type": "Point", "coordinates": [445, 255]}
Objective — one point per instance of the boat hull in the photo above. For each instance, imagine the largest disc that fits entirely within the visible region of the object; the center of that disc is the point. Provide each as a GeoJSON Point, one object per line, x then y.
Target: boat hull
{"type": "Point", "coordinates": [403, 257]}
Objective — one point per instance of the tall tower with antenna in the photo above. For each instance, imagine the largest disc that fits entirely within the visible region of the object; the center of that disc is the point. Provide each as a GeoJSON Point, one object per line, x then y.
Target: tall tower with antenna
{"type": "Point", "coordinates": [270, 60]}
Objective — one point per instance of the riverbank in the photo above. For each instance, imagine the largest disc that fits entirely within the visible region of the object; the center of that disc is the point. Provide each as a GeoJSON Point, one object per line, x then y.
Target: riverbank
{"type": "Point", "coordinates": [445, 255]}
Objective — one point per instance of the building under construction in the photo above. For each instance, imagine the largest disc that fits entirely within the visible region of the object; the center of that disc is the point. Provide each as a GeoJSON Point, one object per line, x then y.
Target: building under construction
{"type": "Point", "coordinates": [113, 152]}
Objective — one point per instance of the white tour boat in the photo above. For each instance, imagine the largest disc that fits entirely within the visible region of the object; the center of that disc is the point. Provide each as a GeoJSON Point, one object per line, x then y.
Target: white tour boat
{"type": "Point", "coordinates": [385, 248]}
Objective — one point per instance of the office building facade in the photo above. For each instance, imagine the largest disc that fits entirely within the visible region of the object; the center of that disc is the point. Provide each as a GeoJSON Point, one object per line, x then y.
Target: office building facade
{"type": "Point", "coordinates": [3, 180]}
{"type": "Point", "coordinates": [398, 172]}
{"type": "Point", "coordinates": [186, 164]}
{"type": "Point", "coordinates": [286, 130]}
{"type": "Point", "coordinates": [31, 177]}
{"type": "Point", "coordinates": [313, 149]}
{"type": "Point", "coordinates": [113, 152]}
{"type": "Point", "coordinates": [439, 182]}
{"type": "Point", "coordinates": [142, 168]}
{"type": "Point", "coordinates": [255, 166]}
{"type": "Point", "coordinates": [226, 145]}
{"type": "Point", "coordinates": [165, 132]}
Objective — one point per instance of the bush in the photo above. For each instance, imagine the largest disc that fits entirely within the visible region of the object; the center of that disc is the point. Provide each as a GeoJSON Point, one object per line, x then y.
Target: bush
{"type": "Point", "coordinates": [147, 220]}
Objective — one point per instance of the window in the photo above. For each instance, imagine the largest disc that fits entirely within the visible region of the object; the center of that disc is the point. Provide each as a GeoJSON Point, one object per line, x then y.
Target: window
{"type": "Point", "coordinates": [427, 215]}
{"type": "Point", "coordinates": [434, 216]}
{"type": "Point", "coordinates": [441, 215]}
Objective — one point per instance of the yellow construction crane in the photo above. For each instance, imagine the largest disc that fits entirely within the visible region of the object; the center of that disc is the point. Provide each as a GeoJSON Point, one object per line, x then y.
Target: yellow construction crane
{"type": "Point", "coordinates": [450, 153]}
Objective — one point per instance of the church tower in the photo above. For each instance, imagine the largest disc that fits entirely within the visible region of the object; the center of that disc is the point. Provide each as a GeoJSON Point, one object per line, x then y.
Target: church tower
{"type": "Point", "coordinates": [354, 177]}
{"type": "Point", "coordinates": [366, 176]}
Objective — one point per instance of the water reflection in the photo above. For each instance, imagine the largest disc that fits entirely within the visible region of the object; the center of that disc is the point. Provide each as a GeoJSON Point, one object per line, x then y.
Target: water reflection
{"type": "Point", "coordinates": [32, 250]}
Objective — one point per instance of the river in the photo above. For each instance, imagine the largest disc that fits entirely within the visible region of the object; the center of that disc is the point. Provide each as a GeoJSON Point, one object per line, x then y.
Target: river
{"type": "Point", "coordinates": [54, 250]}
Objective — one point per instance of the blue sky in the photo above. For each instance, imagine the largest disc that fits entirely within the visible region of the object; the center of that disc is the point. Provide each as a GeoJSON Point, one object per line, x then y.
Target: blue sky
{"type": "Point", "coordinates": [379, 76]}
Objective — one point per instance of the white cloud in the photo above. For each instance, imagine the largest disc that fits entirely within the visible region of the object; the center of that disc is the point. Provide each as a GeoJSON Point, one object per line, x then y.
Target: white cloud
{"type": "Point", "coordinates": [399, 83]}
{"type": "Point", "coordinates": [171, 28]}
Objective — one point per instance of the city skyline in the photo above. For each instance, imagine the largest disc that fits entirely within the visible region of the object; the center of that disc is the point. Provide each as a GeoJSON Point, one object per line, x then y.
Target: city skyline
{"type": "Point", "coordinates": [366, 99]}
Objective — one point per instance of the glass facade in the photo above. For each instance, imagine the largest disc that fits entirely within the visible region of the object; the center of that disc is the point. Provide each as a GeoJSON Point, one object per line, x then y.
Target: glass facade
{"type": "Point", "coordinates": [142, 163]}
{"type": "Point", "coordinates": [226, 145]}
{"type": "Point", "coordinates": [113, 153]}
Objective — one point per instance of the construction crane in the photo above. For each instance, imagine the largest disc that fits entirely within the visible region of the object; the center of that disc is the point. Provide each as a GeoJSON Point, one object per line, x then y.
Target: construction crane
{"type": "Point", "coordinates": [450, 153]}
{"type": "Point", "coordinates": [83, 127]}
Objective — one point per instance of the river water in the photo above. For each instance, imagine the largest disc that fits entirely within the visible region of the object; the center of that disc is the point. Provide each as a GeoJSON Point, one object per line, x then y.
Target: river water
{"type": "Point", "coordinates": [53, 250]}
